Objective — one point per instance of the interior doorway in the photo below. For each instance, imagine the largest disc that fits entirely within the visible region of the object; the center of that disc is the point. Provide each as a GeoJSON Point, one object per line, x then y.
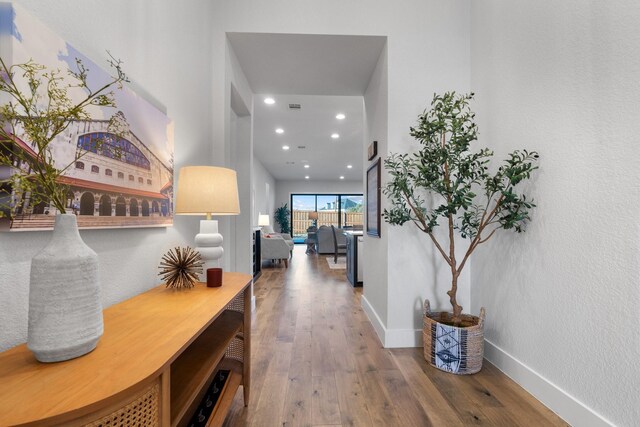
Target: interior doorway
{"type": "Point", "coordinates": [304, 96]}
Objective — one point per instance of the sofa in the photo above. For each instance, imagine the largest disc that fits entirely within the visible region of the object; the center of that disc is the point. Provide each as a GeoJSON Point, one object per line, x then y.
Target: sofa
{"type": "Point", "coordinates": [325, 240]}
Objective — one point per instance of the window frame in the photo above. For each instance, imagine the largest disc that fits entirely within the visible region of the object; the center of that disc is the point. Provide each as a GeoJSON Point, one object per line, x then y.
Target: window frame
{"type": "Point", "coordinates": [338, 197]}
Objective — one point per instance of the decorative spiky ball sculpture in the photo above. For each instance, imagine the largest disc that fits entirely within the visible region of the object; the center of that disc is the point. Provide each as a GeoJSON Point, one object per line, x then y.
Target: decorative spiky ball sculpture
{"type": "Point", "coordinates": [180, 267]}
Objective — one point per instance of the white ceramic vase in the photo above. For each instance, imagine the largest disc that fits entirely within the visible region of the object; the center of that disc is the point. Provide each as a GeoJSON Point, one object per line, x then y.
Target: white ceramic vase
{"type": "Point", "coordinates": [65, 312]}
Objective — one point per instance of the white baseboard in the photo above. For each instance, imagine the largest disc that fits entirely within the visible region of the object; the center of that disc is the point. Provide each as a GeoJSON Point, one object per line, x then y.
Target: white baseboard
{"type": "Point", "coordinates": [566, 406]}
{"type": "Point", "coordinates": [375, 320]}
{"type": "Point", "coordinates": [403, 338]}
{"type": "Point", "coordinates": [253, 303]}
{"type": "Point", "coordinates": [391, 338]}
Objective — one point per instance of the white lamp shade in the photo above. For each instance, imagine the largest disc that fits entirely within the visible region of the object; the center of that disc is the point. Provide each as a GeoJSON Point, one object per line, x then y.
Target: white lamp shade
{"type": "Point", "coordinates": [263, 220]}
{"type": "Point", "coordinates": [207, 190]}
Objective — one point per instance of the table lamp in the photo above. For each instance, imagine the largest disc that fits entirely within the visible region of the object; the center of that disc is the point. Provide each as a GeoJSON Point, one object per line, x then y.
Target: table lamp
{"type": "Point", "coordinates": [263, 220]}
{"type": "Point", "coordinates": [207, 190]}
{"type": "Point", "coordinates": [314, 217]}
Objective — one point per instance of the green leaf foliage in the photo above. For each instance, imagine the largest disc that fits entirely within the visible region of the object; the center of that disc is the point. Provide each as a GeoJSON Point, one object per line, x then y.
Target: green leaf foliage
{"type": "Point", "coordinates": [445, 166]}
{"type": "Point", "coordinates": [281, 217]}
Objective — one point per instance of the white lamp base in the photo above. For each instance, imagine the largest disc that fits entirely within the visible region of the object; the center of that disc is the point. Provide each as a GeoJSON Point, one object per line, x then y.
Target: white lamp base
{"type": "Point", "coordinates": [209, 244]}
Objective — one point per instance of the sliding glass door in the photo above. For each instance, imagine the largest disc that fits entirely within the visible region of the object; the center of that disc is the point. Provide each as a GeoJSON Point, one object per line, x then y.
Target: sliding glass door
{"type": "Point", "coordinates": [328, 210]}
{"type": "Point", "coordinates": [339, 210]}
{"type": "Point", "coordinates": [301, 206]}
{"type": "Point", "coordinates": [351, 208]}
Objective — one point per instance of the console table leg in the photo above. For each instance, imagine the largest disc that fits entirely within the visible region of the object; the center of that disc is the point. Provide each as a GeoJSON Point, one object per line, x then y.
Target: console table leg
{"type": "Point", "coordinates": [165, 406]}
{"type": "Point", "coordinates": [246, 329]}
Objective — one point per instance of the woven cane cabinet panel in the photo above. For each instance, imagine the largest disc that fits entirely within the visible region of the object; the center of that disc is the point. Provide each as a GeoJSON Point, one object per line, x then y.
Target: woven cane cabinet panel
{"type": "Point", "coordinates": [159, 352]}
{"type": "Point", "coordinates": [142, 411]}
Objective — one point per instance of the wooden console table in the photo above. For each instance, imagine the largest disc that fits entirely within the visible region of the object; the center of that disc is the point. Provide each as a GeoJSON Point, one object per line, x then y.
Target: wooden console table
{"type": "Point", "coordinates": [152, 367]}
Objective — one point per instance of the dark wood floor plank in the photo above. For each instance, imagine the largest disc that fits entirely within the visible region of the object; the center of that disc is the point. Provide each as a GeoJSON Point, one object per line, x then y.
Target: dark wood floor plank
{"type": "Point", "coordinates": [354, 409]}
{"type": "Point", "coordinates": [409, 410]}
{"type": "Point", "coordinates": [469, 410]}
{"type": "Point", "coordinates": [322, 362]}
{"type": "Point", "coordinates": [522, 407]}
{"type": "Point", "coordinates": [269, 408]}
{"type": "Point", "coordinates": [298, 402]}
{"type": "Point", "coordinates": [437, 408]}
{"type": "Point", "coordinates": [381, 407]}
{"type": "Point", "coordinates": [325, 408]}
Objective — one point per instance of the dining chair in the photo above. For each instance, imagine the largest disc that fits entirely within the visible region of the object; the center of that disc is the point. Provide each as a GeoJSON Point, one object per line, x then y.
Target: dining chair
{"type": "Point", "coordinates": [337, 246]}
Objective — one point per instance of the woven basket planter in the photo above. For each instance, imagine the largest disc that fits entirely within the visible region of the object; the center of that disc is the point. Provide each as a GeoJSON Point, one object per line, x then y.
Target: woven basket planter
{"type": "Point", "coordinates": [458, 350]}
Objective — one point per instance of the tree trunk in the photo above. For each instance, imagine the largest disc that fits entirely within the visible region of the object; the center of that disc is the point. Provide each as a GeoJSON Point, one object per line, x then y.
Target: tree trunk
{"type": "Point", "coordinates": [457, 309]}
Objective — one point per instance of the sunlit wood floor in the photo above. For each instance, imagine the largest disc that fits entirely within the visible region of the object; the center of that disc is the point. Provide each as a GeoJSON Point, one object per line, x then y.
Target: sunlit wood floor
{"type": "Point", "coordinates": [316, 361]}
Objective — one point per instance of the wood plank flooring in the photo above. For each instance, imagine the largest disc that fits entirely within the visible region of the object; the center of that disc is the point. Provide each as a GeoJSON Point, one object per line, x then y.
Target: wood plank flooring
{"type": "Point", "coordinates": [317, 361]}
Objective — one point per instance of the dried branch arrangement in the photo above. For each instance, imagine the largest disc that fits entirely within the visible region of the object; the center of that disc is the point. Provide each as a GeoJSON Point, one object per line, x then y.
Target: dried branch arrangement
{"type": "Point", "coordinates": [180, 267]}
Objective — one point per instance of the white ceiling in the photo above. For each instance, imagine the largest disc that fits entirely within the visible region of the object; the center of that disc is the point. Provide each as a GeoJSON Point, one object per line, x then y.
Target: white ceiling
{"type": "Point", "coordinates": [307, 64]}
{"type": "Point", "coordinates": [327, 75]}
{"type": "Point", "coordinates": [311, 127]}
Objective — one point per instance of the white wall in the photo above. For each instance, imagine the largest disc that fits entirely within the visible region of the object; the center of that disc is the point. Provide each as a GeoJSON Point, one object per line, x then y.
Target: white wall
{"type": "Point", "coordinates": [375, 296]}
{"type": "Point", "coordinates": [264, 192]}
{"type": "Point", "coordinates": [162, 49]}
{"type": "Point", "coordinates": [233, 148]}
{"type": "Point", "coordinates": [241, 224]}
{"type": "Point", "coordinates": [562, 300]}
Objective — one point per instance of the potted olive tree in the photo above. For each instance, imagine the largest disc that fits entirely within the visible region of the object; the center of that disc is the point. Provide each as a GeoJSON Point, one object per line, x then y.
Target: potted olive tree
{"type": "Point", "coordinates": [446, 183]}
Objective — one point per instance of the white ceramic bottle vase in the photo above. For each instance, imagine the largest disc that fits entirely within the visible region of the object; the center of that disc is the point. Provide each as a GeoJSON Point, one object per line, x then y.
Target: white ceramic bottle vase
{"type": "Point", "coordinates": [65, 312]}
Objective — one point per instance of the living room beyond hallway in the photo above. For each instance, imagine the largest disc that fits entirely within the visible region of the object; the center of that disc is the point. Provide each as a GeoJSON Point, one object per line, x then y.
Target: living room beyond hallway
{"type": "Point", "coordinates": [316, 361]}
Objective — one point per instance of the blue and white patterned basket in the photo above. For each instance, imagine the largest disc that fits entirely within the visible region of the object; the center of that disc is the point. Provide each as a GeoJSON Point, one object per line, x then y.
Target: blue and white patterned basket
{"type": "Point", "coordinates": [458, 350]}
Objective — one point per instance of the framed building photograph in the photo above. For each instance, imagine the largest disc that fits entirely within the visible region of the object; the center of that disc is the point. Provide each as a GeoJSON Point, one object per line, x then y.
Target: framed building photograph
{"type": "Point", "coordinates": [373, 199]}
{"type": "Point", "coordinates": [125, 180]}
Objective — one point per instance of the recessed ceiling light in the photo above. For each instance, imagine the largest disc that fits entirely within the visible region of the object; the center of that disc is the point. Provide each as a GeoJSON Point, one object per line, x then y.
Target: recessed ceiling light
{"type": "Point", "coordinates": [307, 166]}
{"type": "Point", "coordinates": [279, 130]}
{"type": "Point", "coordinates": [341, 177]}
{"type": "Point", "coordinates": [285, 147]}
{"type": "Point", "coordinates": [349, 166]}
{"type": "Point", "coordinates": [335, 136]}
{"type": "Point", "coordinates": [340, 116]}
{"type": "Point", "coordinates": [269, 101]}
{"type": "Point", "coordinates": [306, 177]}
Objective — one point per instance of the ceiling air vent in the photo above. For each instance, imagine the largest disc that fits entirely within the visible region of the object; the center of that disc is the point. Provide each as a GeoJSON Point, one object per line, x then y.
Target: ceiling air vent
{"type": "Point", "coordinates": [295, 106]}
{"type": "Point", "coordinates": [291, 163]}
{"type": "Point", "coordinates": [302, 147]}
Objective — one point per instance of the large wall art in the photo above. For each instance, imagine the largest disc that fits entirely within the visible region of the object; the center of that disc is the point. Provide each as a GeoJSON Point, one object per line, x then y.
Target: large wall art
{"type": "Point", "coordinates": [126, 180]}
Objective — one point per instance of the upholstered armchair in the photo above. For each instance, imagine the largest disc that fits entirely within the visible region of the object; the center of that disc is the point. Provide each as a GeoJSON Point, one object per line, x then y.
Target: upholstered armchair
{"type": "Point", "coordinates": [275, 248]}
{"type": "Point", "coordinates": [268, 230]}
